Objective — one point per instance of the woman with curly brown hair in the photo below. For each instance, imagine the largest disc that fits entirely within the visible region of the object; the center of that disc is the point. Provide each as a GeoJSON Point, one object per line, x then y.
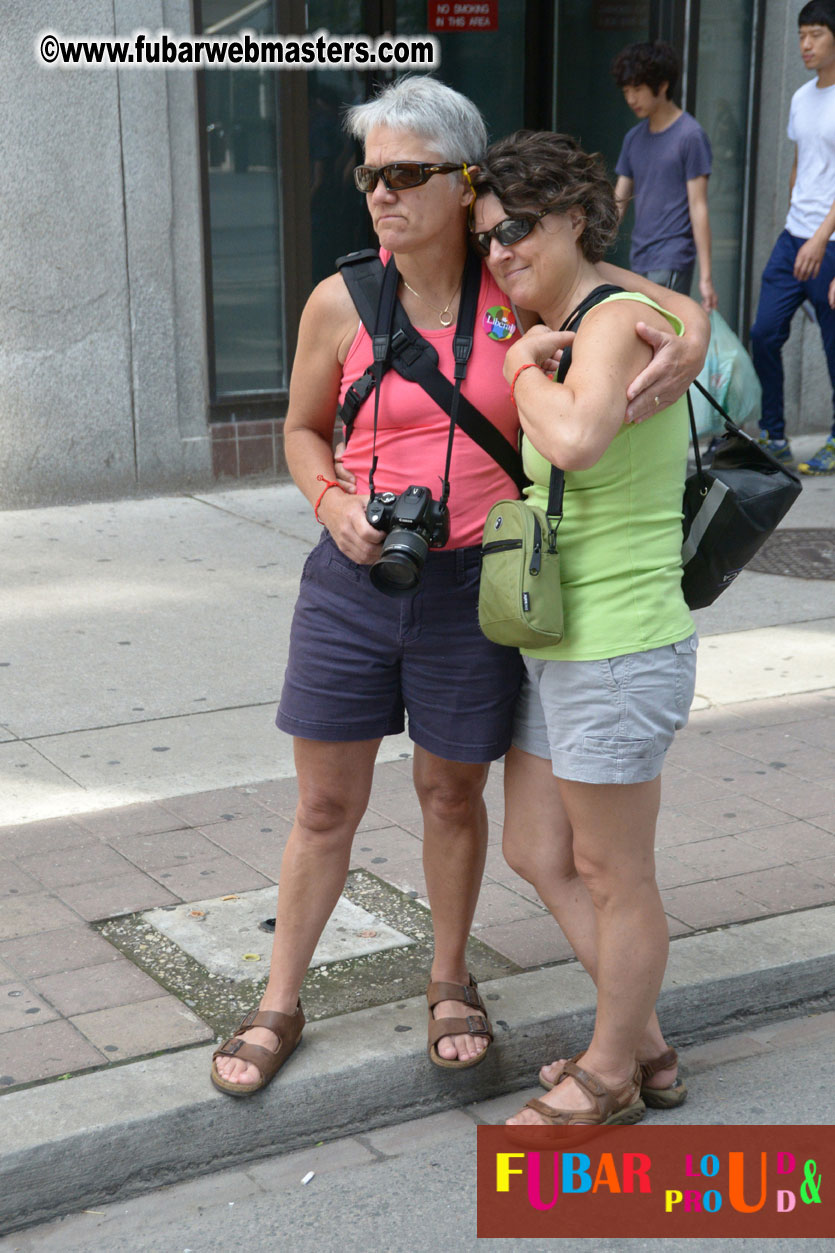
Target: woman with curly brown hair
{"type": "Point", "coordinates": [597, 712]}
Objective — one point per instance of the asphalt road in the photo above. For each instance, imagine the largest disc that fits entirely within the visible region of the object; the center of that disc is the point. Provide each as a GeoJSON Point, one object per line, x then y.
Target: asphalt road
{"type": "Point", "coordinates": [411, 1188]}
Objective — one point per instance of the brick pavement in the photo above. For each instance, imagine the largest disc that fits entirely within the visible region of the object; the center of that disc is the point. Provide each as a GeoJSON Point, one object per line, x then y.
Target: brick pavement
{"type": "Point", "coordinates": [747, 830]}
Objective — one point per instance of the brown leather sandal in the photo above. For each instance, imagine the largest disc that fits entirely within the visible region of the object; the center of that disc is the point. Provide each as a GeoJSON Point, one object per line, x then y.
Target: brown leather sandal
{"type": "Point", "coordinates": [662, 1098]}
{"type": "Point", "coordinates": [288, 1030]}
{"type": "Point", "coordinates": [609, 1106]}
{"type": "Point", "coordinates": [543, 1083]}
{"type": "Point", "coordinates": [474, 1024]}
{"type": "Point", "coordinates": [655, 1098]}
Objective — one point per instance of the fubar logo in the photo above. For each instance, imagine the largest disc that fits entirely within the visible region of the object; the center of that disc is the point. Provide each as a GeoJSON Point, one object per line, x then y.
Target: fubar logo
{"type": "Point", "coordinates": [657, 1181]}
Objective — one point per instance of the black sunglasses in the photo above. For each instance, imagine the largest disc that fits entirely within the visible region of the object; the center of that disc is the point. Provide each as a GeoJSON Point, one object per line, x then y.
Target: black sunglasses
{"type": "Point", "coordinates": [399, 175]}
{"type": "Point", "coordinates": [507, 232]}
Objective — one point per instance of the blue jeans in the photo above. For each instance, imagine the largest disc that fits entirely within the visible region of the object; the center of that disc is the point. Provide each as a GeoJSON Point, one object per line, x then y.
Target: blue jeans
{"type": "Point", "coordinates": [781, 295]}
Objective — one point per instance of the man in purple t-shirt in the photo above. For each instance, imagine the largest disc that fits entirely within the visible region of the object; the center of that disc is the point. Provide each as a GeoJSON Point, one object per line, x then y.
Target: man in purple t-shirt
{"type": "Point", "coordinates": [664, 166]}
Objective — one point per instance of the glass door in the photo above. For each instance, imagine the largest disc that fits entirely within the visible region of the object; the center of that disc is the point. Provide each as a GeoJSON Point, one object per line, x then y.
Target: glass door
{"type": "Point", "coordinates": [589, 106]}
{"type": "Point", "coordinates": [244, 270]}
{"type": "Point", "coordinates": [717, 42]}
{"type": "Point", "coordinates": [338, 216]}
{"type": "Point", "coordinates": [723, 101]}
{"type": "Point", "coordinates": [489, 65]}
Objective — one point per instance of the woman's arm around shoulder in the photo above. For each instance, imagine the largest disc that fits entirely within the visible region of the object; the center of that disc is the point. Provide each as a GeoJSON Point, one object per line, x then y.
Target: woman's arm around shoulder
{"type": "Point", "coordinates": [572, 423]}
{"type": "Point", "coordinates": [676, 360]}
{"type": "Point", "coordinates": [326, 331]}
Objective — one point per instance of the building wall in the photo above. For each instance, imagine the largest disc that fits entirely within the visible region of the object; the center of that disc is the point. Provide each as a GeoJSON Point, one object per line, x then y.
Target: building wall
{"type": "Point", "coordinates": [808, 402]}
{"type": "Point", "coordinates": [102, 387]}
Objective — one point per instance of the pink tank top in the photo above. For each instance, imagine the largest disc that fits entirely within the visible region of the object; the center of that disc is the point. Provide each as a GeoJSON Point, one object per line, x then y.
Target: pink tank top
{"type": "Point", "coordinates": [412, 431]}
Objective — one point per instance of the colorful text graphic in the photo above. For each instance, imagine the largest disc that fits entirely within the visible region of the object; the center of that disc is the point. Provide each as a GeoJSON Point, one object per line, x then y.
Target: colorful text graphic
{"type": "Point", "coordinates": [656, 1181]}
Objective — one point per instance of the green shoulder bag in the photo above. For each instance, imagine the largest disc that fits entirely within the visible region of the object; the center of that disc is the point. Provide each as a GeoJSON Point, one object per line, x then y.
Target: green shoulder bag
{"type": "Point", "coordinates": [520, 600]}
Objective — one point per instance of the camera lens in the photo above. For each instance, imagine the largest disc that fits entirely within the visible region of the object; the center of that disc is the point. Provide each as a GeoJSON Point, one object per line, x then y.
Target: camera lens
{"type": "Point", "coordinates": [398, 569]}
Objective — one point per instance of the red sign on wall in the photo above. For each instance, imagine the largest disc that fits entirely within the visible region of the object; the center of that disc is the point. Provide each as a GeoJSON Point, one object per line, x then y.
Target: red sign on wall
{"type": "Point", "coordinates": [466, 15]}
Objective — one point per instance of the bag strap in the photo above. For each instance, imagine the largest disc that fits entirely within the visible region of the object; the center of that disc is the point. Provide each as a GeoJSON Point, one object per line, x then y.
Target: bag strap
{"type": "Point", "coordinates": [602, 292]}
{"type": "Point", "coordinates": [462, 347]}
{"type": "Point", "coordinates": [731, 428]}
{"type": "Point", "coordinates": [556, 483]}
{"type": "Point", "coordinates": [417, 361]}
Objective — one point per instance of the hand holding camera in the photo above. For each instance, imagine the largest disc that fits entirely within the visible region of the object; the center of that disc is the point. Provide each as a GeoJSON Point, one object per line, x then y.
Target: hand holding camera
{"type": "Point", "coordinates": [344, 517]}
{"type": "Point", "coordinates": [413, 523]}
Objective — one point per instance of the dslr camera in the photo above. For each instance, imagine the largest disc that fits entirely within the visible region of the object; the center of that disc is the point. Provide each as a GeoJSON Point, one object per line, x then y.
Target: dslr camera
{"type": "Point", "coordinates": [415, 523]}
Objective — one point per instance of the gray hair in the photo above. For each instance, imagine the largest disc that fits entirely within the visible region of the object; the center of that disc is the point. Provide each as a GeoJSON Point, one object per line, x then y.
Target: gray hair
{"type": "Point", "coordinates": [423, 106]}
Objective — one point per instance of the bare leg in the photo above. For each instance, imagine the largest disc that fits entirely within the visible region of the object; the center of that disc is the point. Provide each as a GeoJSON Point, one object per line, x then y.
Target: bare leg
{"type": "Point", "coordinates": [334, 787]}
{"type": "Point", "coordinates": [614, 835]}
{"type": "Point", "coordinates": [454, 850]}
{"type": "Point", "coordinates": [538, 845]}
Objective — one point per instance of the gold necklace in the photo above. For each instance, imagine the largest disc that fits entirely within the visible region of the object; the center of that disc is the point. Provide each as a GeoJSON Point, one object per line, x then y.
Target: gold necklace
{"type": "Point", "coordinates": [444, 315]}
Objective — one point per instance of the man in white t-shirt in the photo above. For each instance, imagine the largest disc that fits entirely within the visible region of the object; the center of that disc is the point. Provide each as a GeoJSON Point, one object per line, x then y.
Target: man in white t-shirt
{"type": "Point", "coordinates": [802, 264]}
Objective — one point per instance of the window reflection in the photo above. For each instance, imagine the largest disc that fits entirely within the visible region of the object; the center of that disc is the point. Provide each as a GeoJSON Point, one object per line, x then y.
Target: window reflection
{"type": "Point", "coordinates": [589, 105]}
{"type": "Point", "coordinates": [245, 235]}
{"type": "Point", "coordinates": [338, 217]}
{"type": "Point", "coordinates": [725, 34]}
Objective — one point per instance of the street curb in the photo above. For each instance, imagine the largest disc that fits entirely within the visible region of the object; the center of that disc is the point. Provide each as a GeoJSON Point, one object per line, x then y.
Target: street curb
{"type": "Point", "coordinates": [116, 1133]}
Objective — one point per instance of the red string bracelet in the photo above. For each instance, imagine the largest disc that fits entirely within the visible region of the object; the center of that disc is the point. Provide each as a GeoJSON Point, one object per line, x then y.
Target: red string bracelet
{"type": "Point", "coordinates": [529, 365]}
{"type": "Point", "coordinates": [329, 483]}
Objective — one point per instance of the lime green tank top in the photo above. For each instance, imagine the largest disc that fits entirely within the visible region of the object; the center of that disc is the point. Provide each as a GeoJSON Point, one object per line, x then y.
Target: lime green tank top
{"type": "Point", "coordinates": [620, 537]}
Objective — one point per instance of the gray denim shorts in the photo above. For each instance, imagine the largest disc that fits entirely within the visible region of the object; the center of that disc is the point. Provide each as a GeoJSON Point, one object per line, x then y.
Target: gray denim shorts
{"type": "Point", "coordinates": [607, 721]}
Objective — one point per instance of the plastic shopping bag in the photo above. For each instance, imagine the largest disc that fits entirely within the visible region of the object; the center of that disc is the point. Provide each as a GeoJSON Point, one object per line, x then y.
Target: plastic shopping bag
{"type": "Point", "coordinates": [729, 375]}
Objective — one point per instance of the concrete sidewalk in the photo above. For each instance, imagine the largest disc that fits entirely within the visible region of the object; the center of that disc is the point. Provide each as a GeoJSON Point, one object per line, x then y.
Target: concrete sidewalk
{"type": "Point", "coordinates": [142, 647]}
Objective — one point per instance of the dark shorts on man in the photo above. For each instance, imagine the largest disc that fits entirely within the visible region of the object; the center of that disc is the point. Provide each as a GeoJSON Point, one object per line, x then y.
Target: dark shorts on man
{"type": "Point", "coordinates": [676, 280]}
{"type": "Point", "coordinates": [359, 659]}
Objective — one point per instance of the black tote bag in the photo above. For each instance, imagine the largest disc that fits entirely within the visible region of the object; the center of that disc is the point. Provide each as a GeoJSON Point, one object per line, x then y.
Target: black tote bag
{"type": "Point", "coordinates": [729, 509]}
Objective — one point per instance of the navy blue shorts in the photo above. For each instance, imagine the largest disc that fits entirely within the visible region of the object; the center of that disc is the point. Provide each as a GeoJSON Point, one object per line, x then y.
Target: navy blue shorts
{"type": "Point", "coordinates": [359, 658]}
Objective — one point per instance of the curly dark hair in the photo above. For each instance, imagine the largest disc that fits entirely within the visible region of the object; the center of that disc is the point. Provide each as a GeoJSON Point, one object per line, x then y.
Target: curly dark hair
{"type": "Point", "coordinates": [653, 64]}
{"type": "Point", "coordinates": [539, 169]}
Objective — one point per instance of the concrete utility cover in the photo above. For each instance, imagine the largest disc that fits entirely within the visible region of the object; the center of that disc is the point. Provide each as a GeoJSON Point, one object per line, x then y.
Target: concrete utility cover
{"type": "Point", "coordinates": [807, 553]}
{"type": "Point", "coordinates": [217, 933]}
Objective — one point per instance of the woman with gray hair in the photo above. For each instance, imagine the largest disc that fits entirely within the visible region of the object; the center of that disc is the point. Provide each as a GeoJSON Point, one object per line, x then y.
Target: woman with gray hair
{"type": "Point", "coordinates": [360, 659]}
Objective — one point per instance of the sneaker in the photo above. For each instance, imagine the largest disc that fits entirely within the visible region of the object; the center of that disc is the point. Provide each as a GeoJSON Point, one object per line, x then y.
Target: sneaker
{"type": "Point", "coordinates": [823, 461]}
{"type": "Point", "coordinates": [779, 448]}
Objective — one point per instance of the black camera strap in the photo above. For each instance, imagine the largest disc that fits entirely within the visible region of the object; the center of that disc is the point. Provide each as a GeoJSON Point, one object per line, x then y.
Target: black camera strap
{"type": "Point", "coordinates": [417, 361]}
{"type": "Point", "coordinates": [381, 347]}
{"type": "Point", "coordinates": [462, 347]}
{"type": "Point", "coordinates": [382, 342]}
